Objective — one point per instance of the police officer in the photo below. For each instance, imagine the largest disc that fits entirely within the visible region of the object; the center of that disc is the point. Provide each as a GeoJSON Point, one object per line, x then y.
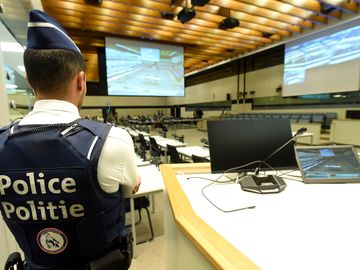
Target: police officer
{"type": "Point", "coordinates": [63, 178]}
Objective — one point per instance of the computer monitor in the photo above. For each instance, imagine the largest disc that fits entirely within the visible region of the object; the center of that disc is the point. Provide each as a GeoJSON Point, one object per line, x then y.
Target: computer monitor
{"type": "Point", "coordinates": [233, 143]}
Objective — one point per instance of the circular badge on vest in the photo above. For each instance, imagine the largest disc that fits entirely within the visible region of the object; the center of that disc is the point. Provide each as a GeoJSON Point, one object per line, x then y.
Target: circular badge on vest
{"type": "Point", "coordinates": [52, 241]}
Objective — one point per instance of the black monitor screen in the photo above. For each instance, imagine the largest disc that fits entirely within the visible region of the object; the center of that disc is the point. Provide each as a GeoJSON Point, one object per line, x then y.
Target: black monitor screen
{"type": "Point", "coordinates": [234, 143]}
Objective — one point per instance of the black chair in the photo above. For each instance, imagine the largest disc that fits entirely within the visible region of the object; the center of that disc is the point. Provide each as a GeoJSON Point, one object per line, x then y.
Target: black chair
{"type": "Point", "coordinates": [139, 204]}
{"type": "Point", "coordinates": [156, 152]}
{"type": "Point", "coordinates": [174, 155]}
{"type": "Point", "coordinates": [143, 146]}
{"type": "Point", "coordinates": [197, 159]}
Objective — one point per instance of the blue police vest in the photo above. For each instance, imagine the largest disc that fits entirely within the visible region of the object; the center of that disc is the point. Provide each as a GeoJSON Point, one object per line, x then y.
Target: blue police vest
{"type": "Point", "coordinates": [50, 197]}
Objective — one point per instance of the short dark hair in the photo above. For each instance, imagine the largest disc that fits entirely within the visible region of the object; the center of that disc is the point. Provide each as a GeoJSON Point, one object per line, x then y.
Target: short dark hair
{"type": "Point", "coordinates": [50, 71]}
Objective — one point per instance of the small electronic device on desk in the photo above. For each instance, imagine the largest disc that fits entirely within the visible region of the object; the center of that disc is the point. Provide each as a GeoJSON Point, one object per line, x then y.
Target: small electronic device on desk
{"type": "Point", "coordinates": [328, 164]}
{"type": "Point", "coordinates": [263, 184]}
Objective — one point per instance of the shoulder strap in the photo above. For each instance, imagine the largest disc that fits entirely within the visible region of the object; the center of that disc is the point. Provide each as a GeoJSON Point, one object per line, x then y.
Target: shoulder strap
{"type": "Point", "coordinates": [4, 132]}
{"type": "Point", "coordinates": [98, 129]}
{"type": "Point", "coordinates": [100, 132]}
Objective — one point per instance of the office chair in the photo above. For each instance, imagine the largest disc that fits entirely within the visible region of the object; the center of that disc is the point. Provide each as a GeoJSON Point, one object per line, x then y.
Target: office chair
{"type": "Point", "coordinates": [139, 204]}
{"type": "Point", "coordinates": [174, 155]}
{"type": "Point", "coordinates": [155, 149]}
{"type": "Point", "coordinates": [143, 146]}
{"type": "Point", "coordinates": [14, 262]}
{"type": "Point", "coordinates": [197, 159]}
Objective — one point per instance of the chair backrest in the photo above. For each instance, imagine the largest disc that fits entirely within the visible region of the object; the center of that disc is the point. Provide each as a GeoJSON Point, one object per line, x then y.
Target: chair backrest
{"type": "Point", "coordinates": [155, 150]}
{"type": "Point", "coordinates": [197, 159]}
{"type": "Point", "coordinates": [142, 140]}
{"type": "Point", "coordinates": [174, 155]}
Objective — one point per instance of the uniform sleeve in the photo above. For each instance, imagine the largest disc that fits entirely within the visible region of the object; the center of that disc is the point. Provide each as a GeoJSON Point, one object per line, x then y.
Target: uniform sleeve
{"type": "Point", "coordinates": [117, 163]}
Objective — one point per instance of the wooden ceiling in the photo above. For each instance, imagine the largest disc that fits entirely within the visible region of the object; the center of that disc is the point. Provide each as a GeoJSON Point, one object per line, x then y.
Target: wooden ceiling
{"type": "Point", "coordinates": [262, 22]}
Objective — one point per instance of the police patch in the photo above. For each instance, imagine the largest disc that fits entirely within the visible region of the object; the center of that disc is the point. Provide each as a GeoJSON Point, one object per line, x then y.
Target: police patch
{"type": "Point", "coordinates": [52, 241]}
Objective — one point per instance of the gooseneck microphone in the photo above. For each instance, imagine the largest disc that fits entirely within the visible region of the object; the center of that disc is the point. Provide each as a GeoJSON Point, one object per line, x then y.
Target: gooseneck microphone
{"type": "Point", "coordinates": [269, 183]}
{"type": "Point", "coordinates": [297, 134]}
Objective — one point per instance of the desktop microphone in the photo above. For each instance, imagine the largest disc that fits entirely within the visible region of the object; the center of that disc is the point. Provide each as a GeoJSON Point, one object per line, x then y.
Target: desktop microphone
{"type": "Point", "coordinates": [269, 183]}
{"type": "Point", "coordinates": [298, 133]}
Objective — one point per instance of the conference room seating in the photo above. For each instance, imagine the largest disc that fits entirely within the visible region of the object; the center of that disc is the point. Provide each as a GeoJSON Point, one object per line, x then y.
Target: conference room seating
{"type": "Point", "coordinates": [143, 146]}
{"type": "Point", "coordinates": [305, 118]}
{"type": "Point", "coordinates": [318, 118]}
{"type": "Point", "coordinates": [174, 155]}
{"type": "Point", "coordinates": [139, 204]}
{"type": "Point", "coordinates": [328, 119]}
{"type": "Point", "coordinates": [155, 150]}
{"type": "Point", "coordinates": [324, 118]}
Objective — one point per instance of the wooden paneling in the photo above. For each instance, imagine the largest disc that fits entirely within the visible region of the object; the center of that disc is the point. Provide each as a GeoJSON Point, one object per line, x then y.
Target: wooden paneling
{"type": "Point", "coordinates": [261, 23]}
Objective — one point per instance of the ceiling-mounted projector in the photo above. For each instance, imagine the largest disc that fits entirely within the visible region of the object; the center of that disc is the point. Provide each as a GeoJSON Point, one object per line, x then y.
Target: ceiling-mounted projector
{"type": "Point", "coordinates": [186, 14]}
{"type": "Point", "coordinates": [199, 3]}
{"type": "Point", "coordinates": [228, 23]}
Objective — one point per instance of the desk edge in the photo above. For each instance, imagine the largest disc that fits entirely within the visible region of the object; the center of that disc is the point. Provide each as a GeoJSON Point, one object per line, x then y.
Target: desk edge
{"type": "Point", "coordinates": [219, 251]}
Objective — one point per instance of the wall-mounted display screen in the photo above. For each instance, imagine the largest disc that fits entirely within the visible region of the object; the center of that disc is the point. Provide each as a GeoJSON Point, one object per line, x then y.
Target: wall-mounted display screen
{"type": "Point", "coordinates": [327, 62]}
{"type": "Point", "coordinates": [136, 68]}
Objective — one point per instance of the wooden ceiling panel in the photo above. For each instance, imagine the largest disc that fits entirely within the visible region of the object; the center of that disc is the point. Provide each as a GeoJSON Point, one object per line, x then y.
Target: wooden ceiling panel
{"type": "Point", "coordinates": [261, 22]}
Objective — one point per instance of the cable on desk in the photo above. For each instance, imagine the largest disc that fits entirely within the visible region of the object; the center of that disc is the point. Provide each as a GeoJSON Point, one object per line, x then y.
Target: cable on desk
{"type": "Point", "coordinates": [217, 181]}
{"type": "Point", "coordinates": [212, 180]}
{"type": "Point", "coordinates": [297, 178]}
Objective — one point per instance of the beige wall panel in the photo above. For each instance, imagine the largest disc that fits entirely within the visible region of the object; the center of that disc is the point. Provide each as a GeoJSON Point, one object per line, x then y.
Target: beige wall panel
{"type": "Point", "coordinates": [207, 92]}
{"type": "Point", "coordinates": [264, 81]}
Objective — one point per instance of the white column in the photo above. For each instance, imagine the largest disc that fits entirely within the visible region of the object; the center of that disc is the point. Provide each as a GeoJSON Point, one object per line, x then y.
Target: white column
{"type": "Point", "coordinates": [4, 103]}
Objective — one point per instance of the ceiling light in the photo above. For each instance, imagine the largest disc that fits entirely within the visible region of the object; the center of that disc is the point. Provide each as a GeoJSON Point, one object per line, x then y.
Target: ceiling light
{"type": "Point", "coordinates": [11, 47]}
{"type": "Point", "coordinates": [199, 3]}
{"type": "Point", "coordinates": [228, 23]}
{"type": "Point", "coordinates": [186, 14]}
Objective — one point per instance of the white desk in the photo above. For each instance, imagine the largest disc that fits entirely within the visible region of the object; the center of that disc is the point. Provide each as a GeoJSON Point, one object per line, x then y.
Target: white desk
{"type": "Point", "coordinates": [162, 142]}
{"type": "Point", "coordinates": [140, 162]}
{"type": "Point", "coordinates": [199, 151]}
{"type": "Point", "coordinates": [305, 135]}
{"type": "Point", "coordinates": [306, 226]}
{"type": "Point", "coordinates": [151, 182]}
{"type": "Point", "coordinates": [132, 132]}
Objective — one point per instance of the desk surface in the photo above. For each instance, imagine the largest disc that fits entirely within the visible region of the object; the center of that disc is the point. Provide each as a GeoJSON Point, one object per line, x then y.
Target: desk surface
{"type": "Point", "coordinates": [304, 227]}
{"type": "Point", "coordinates": [151, 180]}
{"type": "Point", "coordinates": [163, 142]}
{"type": "Point", "coordinates": [194, 150]}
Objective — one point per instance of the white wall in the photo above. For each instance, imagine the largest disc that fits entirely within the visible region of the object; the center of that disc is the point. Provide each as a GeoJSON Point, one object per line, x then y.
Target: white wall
{"type": "Point", "coordinates": [4, 104]}
{"type": "Point", "coordinates": [207, 92]}
{"type": "Point", "coordinates": [264, 81]}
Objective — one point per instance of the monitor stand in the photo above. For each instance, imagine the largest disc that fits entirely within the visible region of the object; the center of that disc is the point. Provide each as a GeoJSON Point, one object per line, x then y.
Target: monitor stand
{"type": "Point", "coordinates": [262, 184]}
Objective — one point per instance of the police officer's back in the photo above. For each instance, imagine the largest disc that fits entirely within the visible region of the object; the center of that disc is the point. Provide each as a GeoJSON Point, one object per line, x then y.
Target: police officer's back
{"type": "Point", "coordinates": [62, 178]}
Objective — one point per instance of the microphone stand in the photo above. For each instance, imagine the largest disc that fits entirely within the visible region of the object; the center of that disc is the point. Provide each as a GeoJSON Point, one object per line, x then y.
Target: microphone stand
{"type": "Point", "coordinates": [269, 183]}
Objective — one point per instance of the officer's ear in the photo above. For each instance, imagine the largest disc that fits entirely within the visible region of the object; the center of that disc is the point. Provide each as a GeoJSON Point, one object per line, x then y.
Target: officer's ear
{"type": "Point", "coordinates": [32, 89]}
{"type": "Point", "coordinates": [81, 81]}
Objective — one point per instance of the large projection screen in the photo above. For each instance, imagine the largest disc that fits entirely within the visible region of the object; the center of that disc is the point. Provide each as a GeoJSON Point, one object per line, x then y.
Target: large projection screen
{"type": "Point", "coordinates": [326, 62]}
{"type": "Point", "coordinates": [136, 68]}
